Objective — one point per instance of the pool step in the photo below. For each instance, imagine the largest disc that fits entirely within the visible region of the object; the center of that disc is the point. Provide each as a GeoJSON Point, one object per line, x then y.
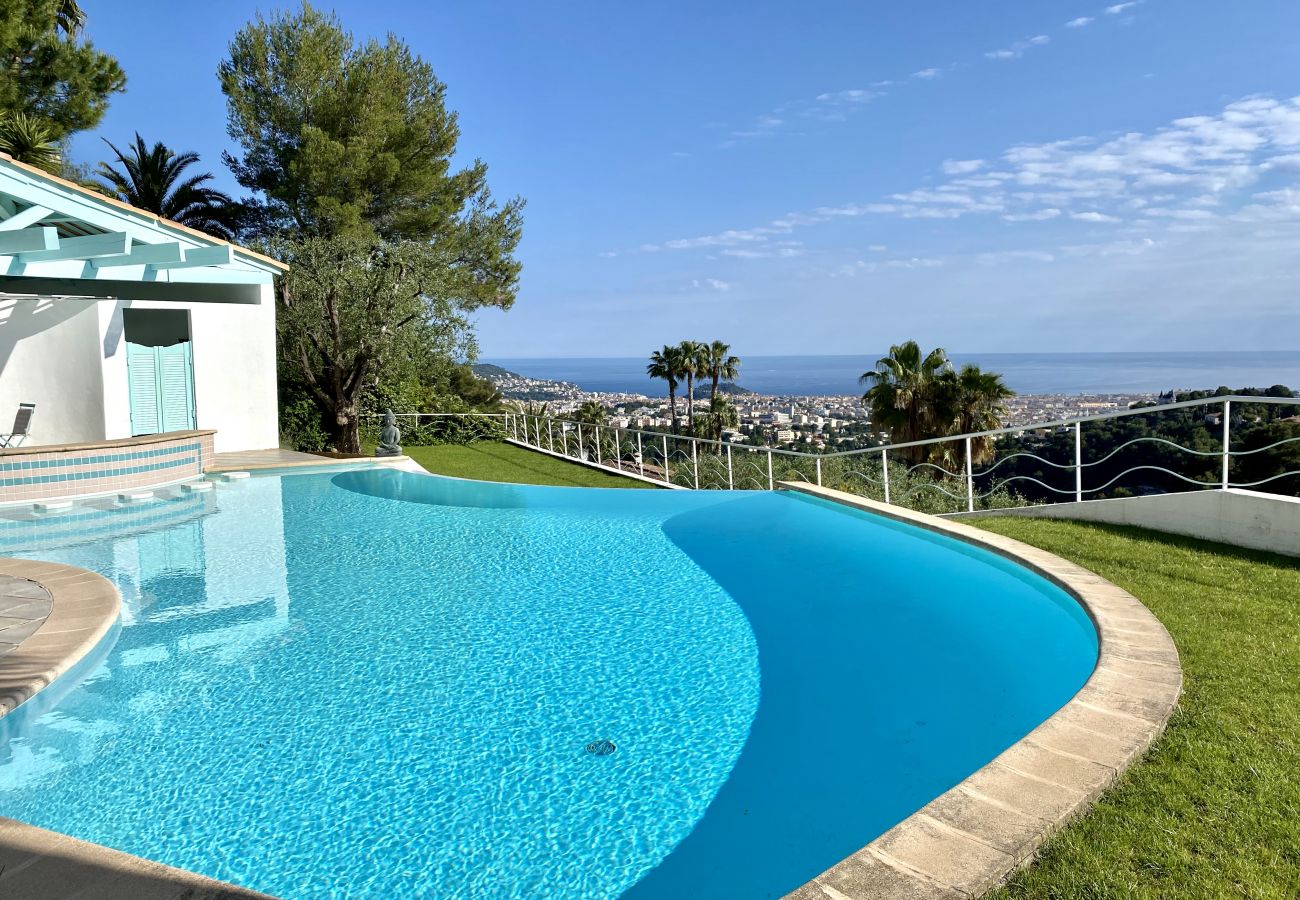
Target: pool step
{"type": "Point", "coordinates": [137, 497]}
{"type": "Point", "coordinates": [49, 506]}
{"type": "Point", "coordinates": [192, 487]}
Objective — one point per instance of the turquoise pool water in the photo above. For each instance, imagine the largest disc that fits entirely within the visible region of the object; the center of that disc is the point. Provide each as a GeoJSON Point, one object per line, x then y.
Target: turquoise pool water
{"type": "Point", "coordinates": [378, 684]}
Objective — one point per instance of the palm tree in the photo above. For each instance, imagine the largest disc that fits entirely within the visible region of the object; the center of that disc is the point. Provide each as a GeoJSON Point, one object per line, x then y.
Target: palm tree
{"type": "Point", "coordinates": [153, 179]}
{"type": "Point", "coordinates": [69, 18]}
{"type": "Point", "coordinates": [722, 366]}
{"type": "Point", "coordinates": [695, 365]}
{"type": "Point", "coordinates": [668, 364]}
{"type": "Point", "coordinates": [906, 395]}
{"type": "Point", "coordinates": [30, 140]}
{"type": "Point", "coordinates": [976, 401]}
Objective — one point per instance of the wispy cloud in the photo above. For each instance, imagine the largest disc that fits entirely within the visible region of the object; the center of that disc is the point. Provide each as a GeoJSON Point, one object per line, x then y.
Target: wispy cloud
{"type": "Point", "coordinates": [711, 284]}
{"type": "Point", "coordinates": [1017, 49]}
{"type": "Point", "coordinates": [1188, 173]}
{"type": "Point", "coordinates": [837, 106]}
{"type": "Point", "coordinates": [962, 166]}
{"type": "Point", "coordinates": [1038, 215]}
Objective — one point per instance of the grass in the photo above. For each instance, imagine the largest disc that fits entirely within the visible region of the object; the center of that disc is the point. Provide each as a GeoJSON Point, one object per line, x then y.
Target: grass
{"type": "Point", "coordinates": [496, 461]}
{"type": "Point", "coordinates": [1214, 809]}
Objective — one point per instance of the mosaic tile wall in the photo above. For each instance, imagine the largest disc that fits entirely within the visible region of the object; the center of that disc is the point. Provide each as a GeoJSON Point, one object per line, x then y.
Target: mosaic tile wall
{"type": "Point", "coordinates": [43, 473]}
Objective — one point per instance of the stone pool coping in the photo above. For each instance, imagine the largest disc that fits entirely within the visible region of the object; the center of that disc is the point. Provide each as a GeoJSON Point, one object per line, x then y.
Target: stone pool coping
{"type": "Point", "coordinates": [969, 839]}
{"type": "Point", "coordinates": [44, 865]}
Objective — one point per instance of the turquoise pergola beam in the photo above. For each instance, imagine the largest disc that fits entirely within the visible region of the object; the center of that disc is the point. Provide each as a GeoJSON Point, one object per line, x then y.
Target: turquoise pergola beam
{"type": "Point", "coordinates": [29, 216]}
{"type": "Point", "coordinates": [143, 254]}
{"type": "Point", "coordinates": [28, 239]}
{"type": "Point", "coordinates": [88, 247]}
{"type": "Point", "coordinates": [201, 256]}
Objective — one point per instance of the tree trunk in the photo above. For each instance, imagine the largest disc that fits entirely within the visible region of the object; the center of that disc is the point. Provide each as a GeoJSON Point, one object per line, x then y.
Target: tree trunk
{"type": "Point", "coordinates": [672, 402]}
{"type": "Point", "coordinates": [690, 403]}
{"type": "Point", "coordinates": [345, 434]}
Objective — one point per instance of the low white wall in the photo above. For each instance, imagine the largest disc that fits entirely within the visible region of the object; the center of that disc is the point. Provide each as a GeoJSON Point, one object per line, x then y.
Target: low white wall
{"type": "Point", "coordinates": [1238, 517]}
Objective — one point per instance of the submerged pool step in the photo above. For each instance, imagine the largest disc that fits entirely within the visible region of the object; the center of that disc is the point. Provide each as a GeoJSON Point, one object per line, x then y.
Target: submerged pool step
{"type": "Point", "coordinates": [137, 497]}
{"type": "Point", "coordinates": [192, 487]}
{"type": "Point", "coordinates": [49, 506]}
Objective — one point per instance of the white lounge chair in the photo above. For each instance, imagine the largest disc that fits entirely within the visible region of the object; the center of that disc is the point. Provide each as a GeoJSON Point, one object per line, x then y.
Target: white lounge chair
{"type": "Point", "coordinates": [22, 426]}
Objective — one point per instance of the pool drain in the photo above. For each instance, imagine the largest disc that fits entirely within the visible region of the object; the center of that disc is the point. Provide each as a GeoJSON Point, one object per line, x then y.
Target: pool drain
{"type": "Point", "coordinates": [601, 747]}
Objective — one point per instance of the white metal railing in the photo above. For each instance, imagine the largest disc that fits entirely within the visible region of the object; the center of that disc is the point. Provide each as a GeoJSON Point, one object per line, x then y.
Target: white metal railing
{"type": "Point", "coordinates": [902, 473]}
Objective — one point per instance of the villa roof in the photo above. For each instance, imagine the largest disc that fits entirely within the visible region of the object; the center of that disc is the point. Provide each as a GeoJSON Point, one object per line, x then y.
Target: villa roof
{"type": "Point", "coordinates": [119, 207]}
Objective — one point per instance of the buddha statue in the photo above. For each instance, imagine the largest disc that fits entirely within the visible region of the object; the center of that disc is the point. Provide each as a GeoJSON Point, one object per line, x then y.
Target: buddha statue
{"type": "Point", "coordinates": [389, 436]}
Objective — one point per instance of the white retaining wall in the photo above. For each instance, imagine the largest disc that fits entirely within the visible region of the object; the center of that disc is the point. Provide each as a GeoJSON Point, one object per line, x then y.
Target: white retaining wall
{"type": "Point", "coordinates": [1233, 516]}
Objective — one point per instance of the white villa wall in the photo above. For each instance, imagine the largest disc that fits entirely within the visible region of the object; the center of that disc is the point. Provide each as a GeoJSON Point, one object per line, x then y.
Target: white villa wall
{"type": "Point", "coordinates": [48, 350]}
{"type": "Point", "coordinates": [1238, 517]}
{"type": "Point", "coordinates": [68, 356]}
{"type": "Point", "coordinates": [234, 370]}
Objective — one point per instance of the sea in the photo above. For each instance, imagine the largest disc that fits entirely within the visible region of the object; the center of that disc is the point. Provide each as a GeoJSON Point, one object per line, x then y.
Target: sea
{"type": "Point", "coordinates": [1025, 373]}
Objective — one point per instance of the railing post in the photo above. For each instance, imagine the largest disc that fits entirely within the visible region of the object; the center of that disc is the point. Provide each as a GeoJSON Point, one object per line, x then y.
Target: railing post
{"type": "Point", "coordinates": [884, 471]}
{"type": "Point", "coordinates": [695, 461]}
{"type": "Point", "coordinates": [582, 454]}
{"type": "Point", "coordinates": [598, 462]}
{"type": "Point", "coordinates": [1078, 462]}
{"type": "Point", "coordinates": [970, 481]}
{"type": "Point", "coordinates": [1227, 440]}
{"type": "Point", "coordinates": [731, 481]}
{"type": "Point", "coordinates": [819, 471]}
{"type": "Point", "coordinates": [550, 435]}
{"type": "Point", "coordinates": [668, 478]}
{"type": "Point", "coordinates": [771, 483]}
{"type": "Point", "coordinates": [640, 456]}
{"type": "Point", "coordinates": [564, 439]}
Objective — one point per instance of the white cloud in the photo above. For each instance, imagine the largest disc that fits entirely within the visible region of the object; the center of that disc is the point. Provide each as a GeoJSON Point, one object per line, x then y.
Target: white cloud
{"type": "Point", "coordinates": [1017, 50]}
{"type": "Point", "coordinates": [715, 284]}
{"type": "Point", "coordinates": [1081, 22]}
{"type": "Point", "coordinates": [1121, 7]}
{"type": "Point", "coordinates": [926, 74]}
{"type": "Point", "coordinates": [1093, 216]}
{"type": "Point", "coordinates": [1191, 172]}
{"type": "Point", "coordinates": [1041, 215]}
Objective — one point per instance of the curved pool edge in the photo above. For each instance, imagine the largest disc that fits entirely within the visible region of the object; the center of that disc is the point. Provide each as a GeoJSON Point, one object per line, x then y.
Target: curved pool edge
{"type": "Point", "coordinates": [84, 610]}
{"type": "Point", "coordinates": [84, 607]}
{"type": "Point", "coordinates": [970, 838]}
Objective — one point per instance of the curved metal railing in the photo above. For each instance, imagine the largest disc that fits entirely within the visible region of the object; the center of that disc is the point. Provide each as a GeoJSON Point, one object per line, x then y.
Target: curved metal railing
{"type": "Point", "coordinates": [903, 472]}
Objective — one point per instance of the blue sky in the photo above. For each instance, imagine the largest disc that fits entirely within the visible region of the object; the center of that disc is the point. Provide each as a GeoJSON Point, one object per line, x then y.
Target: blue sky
{"type": "Point", "coordinates": [836, 177]}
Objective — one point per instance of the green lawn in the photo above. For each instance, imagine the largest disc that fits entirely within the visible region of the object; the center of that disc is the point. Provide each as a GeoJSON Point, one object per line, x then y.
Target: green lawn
{"type": "Point", "coordinates": [494, 461]}
{"type": "Point", "coordinates": [1214, 809]}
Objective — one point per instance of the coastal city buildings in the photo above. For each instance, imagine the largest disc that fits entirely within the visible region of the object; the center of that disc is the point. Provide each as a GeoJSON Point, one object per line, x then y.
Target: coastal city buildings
{"type": "Point", "coordinates": [838, 422]}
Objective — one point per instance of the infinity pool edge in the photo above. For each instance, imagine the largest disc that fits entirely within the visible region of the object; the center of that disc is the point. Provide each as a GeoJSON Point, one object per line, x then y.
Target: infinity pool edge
{"type": "Point", "coordinates": [972, 837]}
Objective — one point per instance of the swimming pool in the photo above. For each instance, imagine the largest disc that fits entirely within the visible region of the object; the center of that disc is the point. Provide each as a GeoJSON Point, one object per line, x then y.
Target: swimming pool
{"type": "Point", "coordinates": [374, 683]}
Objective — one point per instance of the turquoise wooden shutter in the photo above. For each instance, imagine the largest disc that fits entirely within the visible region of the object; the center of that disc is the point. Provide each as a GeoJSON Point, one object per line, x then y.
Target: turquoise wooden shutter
{"type": "Point", "coordinates": [142, 386]}
{"type": "Point", "coordinates": [176, 387]}
{"type": "Point", "coordinates": [160, 381]}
